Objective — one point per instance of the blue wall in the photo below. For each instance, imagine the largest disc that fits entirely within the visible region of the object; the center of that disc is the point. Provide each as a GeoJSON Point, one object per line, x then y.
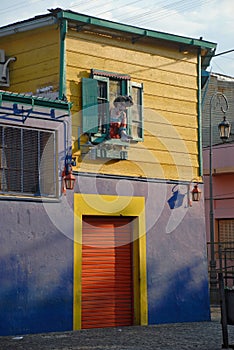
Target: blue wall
{"type": "Point", "coordinates": [36, 258]}
{"type": "Point", "coordinates": [177, 274]}
{"type": "Point", "coordinates": [36, 271]}
{"type": "Point", "coordinates": [177, 263]}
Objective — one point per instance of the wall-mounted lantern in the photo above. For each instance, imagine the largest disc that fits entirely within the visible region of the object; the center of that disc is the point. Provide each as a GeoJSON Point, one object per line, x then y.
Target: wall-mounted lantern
{"type": "Point", "coordinates": [68, 178]}
{"type": "Point", "coordinates": [196, 193]}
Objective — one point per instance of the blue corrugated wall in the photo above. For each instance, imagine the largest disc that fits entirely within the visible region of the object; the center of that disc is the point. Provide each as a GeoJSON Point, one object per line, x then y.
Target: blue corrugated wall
{"type": "Point", "coordinates": [36, 271]}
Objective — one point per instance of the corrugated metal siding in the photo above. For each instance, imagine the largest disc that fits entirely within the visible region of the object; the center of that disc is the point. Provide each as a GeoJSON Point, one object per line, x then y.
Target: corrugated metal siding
{"type": "Point", "coordinates": [37, 53]}
{"type": "Point", "coordinates": [170, 103]}
{"type": "Point", "coordinates": [107, 283]}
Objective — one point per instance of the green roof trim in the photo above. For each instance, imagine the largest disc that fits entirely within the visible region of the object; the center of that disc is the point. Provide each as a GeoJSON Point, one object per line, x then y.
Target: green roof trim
{"type": "Point", "coordinates": [34, 100]}
{"type": "Point", "coordinates": [72, 16]}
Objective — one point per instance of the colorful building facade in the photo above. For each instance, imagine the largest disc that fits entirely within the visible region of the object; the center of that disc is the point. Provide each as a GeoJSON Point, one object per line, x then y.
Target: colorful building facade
{"type": "Point", "coordinates": [126, 246]}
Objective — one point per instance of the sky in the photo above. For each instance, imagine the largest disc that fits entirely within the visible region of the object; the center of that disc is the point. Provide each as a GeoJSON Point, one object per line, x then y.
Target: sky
{"type": "Point", "coordinates": [210, 19]}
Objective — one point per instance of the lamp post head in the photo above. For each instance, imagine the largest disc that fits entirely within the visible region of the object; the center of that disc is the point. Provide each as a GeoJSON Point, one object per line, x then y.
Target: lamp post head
{"type": "Point", "coordinates": [224, 129]}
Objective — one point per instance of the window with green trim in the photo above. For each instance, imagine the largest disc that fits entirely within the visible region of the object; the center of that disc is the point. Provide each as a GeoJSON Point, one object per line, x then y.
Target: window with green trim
{"type": "Point", "coordinates": [98, 94]}
{"type": "Point", "coordinates": [27, 161]}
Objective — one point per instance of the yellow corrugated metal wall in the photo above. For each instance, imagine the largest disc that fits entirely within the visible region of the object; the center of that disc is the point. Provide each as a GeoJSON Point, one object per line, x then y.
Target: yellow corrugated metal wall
{"type": "Point", "coordinates": [170, 148]}
{"type": "Point", "coordinates": [37, 64]}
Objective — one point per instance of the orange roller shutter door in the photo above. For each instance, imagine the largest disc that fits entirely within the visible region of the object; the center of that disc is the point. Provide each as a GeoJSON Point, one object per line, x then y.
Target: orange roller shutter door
{"type": "Point", "coordinates": [107, 281]}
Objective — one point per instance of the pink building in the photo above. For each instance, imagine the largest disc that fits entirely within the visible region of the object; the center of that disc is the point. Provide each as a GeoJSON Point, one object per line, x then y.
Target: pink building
{"type": "Point", "coordinates": [223, 191]}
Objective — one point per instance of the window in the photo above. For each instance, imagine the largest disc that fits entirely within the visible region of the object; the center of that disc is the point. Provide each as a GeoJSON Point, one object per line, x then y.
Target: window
{"type": "Point", "coordinates": [27, 161]}
{"type": "Point", "coordinates": [226, 236]}
{"type": "Point", "coordinates": [98, 94]}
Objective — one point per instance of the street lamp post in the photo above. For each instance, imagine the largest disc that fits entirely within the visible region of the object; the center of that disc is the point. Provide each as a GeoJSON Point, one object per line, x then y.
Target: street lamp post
{"type": "Point", "coordinates": [224, 129]}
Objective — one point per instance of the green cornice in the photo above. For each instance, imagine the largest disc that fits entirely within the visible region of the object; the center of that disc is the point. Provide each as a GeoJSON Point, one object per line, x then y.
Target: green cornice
{"type": "Point", "coordinates": [34, 100]}
{"type": "Point", "coordinates": [76, 17]}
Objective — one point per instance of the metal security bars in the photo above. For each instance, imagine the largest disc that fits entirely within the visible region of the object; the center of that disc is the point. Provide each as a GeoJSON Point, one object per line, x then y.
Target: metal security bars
{"type": "Point", "coordinates": [27, 161]}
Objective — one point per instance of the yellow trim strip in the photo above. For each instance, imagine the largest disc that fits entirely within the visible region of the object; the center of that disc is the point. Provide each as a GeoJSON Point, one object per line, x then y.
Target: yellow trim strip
{"type": "Point", "coordinates": [106, 205]}
{"type": "Point", "coordinates": [136, 287]}
{"type": "Point", "coordinates": [77, 273]}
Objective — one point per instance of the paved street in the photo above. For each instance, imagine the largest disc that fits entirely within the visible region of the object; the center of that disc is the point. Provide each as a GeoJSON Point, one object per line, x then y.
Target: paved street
{"type": "Point", "coordinates": [183, 336]}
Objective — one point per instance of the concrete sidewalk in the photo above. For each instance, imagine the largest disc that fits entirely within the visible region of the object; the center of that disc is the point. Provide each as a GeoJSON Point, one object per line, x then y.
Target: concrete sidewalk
{"type": "Point", "coordinates": [179, 336]}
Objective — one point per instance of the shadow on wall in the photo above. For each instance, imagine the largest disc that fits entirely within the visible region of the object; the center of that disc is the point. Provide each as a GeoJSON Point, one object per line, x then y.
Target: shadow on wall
{"type": "Point", "coordinates": [36, 292]}
{"type": "Point", "coordinates": [177, 198]}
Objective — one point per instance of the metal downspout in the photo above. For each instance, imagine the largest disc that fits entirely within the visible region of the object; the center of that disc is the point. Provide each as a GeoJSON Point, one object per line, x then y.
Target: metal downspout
{"type": "Point", "coordinates": [62, 71]}
{"type": "Point", "coordinates": [199, 113]}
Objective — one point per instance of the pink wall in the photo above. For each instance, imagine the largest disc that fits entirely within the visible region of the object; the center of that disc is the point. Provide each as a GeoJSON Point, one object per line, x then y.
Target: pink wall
{"type": "Point", "coordinates": [223, 182]}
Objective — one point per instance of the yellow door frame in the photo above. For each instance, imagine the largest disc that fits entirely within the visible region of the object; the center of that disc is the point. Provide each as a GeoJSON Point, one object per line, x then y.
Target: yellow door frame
{"type": "Point", "coordinates": [107, 205]}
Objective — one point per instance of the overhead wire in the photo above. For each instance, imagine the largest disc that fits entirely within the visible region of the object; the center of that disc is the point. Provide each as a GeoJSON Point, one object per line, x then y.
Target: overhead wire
{"type": "Point", "coordinates": [144, 17]}
{"type": "Point", "coordinates": [166, 11]}
{"type": "Point", "coordinates": [81, 2]}
{"type": "Point", "coordinates": [25, 3]}
{"type": "Point", "coordinates": [155, 7]}
{"type": "Point", "coordinates": [218, 67]}
{"type": "Point", "coordinates": [15, 6]}
{"type": "Point", "coordinates": [166, 5]}
{"type": "Point", "coordinates": [89, 3]}
{"type": "Point", "coordinates": [137, 10]}
{"type": "Point", "coordinates": [113, 9]}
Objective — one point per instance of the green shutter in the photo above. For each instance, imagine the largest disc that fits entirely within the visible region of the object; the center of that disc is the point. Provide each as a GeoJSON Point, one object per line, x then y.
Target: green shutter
{"type": "Point", "coordinates": [135, 113]}
{"type": "Point", "coordinates": [124, 87]}
{"type": "Point", "coordinates": [89, 105]}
